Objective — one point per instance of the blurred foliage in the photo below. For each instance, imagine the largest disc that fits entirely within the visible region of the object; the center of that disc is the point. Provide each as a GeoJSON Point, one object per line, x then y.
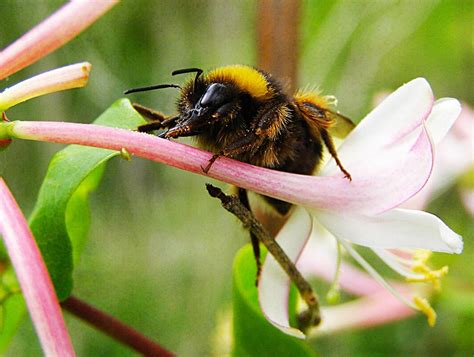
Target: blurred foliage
{"type": "Point", "coordinates": [161, 251]}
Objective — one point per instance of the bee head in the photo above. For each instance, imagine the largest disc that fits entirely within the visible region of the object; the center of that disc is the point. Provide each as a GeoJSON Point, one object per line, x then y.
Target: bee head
{"type": "Point", "coordinates": [210, 108]}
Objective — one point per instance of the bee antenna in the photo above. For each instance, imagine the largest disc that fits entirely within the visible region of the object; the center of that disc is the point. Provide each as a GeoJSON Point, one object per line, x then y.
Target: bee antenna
{"type": "Point", "coordinates": [189, 70]}
{"type": "Point", "coordinates": [145, 89]}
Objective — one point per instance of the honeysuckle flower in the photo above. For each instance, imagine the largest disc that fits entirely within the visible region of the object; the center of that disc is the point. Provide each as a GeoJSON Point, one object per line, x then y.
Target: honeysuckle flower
{"type": "Point", "coordinates": [375, 305]}
{"type": "Point", "coordinates": [389, 155]}
{"type": "Point", "coordinates": [391, 142]}
{"type": "Point", "coordinates": [33, 277]}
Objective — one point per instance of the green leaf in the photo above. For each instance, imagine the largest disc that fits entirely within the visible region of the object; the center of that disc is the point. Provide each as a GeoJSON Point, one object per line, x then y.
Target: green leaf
{"type": "Point", "coordinates": [253, 334]}
{"type": "Point", "coordinates": [61, 218]}
{"type": "Point", "coordinates": [78, 215]}
{"type": "Point", "coordinates": [12, 308]}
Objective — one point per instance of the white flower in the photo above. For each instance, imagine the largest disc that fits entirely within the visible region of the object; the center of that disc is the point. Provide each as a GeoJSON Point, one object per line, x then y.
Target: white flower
{"type": "Point", "coordinates": [390, 157]}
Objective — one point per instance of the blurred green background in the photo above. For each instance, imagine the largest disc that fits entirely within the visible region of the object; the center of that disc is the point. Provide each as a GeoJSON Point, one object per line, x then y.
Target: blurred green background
{"type": "Point", "coordinates": [160, 250]}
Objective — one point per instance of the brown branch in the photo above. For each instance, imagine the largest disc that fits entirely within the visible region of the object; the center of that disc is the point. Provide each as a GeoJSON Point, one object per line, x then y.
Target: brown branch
{"type": "Point", "coordinates": [311, 316]}
{"type": "Point", "coordinates": [277, 38]}
{"type": "Point", "coordinates": [114, 328]}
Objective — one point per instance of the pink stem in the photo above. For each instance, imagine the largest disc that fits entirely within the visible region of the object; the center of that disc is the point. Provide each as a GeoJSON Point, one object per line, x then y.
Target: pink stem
{"type": "Point", "coordinates": [33, 277]}
{"type": "Point", "coordinates": [55, 31]}
{"type": "Point", "coordinates": [151, 147]}
{"type": "Point", "coordinates": [316, 192]}
{"type": "Point", "coordinates": [298, 189]}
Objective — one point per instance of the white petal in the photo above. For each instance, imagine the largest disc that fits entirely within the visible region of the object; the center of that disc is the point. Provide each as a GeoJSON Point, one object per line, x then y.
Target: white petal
{"type": "Point", "coordinates": [398, 115]}
{"type": "Point", "coordinates": [274, 285]}
{"type": "Point", "coordinates": [442, 117]}
{"type": "Point", "coordinates": [398, 228]}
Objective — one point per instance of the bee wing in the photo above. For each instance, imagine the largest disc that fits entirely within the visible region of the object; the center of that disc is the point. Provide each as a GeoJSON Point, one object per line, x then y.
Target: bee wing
{"type": "Point", "coordinates": [342, 125]}
{"type": "Point", "coordinates": [319, 118]}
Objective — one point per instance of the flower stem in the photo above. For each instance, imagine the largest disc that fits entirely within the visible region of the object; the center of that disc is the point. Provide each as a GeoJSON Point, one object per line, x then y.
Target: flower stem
{"type": "Point", "coordinates": [114, 328]}
{"type": "Point", "coordinates": [33, 277]}
{"type": "Point", "coordinates": [308, 318]}
{"type": "Point", "coordinates": [56, 30]}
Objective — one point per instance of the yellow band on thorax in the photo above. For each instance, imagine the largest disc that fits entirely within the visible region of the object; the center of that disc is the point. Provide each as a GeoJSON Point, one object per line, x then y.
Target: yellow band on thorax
{"type": "Point", "coordinates": [245, 77]}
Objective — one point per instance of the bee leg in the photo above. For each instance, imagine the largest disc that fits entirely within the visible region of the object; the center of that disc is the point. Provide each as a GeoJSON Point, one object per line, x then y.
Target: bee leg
{"type": "Point", "coordinates": [271, 119]}
{"type": "Point", "coordinates": [158, 119]}
{"type": "Point", "coordinates": [243, 197]}
{"type": "Point", "coordinates": [209, 163]}
{"type": "Point", "coordinates": [146, 128]}
{"type": "Point", "coordinates": [332, 150]}
{"type": "Point", "coordinates": [156, 125]}
{"type": "Point", "coordinates": [246, 143]}
{"type": "Point", "coordinates": [149, 113]}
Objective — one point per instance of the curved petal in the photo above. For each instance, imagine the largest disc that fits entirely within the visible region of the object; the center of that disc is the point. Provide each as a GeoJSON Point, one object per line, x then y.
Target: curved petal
{"type": "Point", "coordinates": [274, 285]}
{"type": "Point", "coordinates": [442, 117]}
{"type": "Point", "coordinates": [447, 164]}
{"type": "Point", "coordinates": [397, 116]}
{"type": "Point", "coordinates": [398, 228]}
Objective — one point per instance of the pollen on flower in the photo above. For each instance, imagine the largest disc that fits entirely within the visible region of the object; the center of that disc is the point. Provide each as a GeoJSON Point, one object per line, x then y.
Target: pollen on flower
{"type": "Point", "coordinates": [424, 306]}
{"type": "Point", "coordinates": [420, 266]}
{"type": "Point", "coordinates": [422, 255]}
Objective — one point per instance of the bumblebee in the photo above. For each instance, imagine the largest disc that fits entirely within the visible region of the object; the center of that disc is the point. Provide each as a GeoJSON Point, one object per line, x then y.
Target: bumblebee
{"type": "Point", "coordinates": [244, 113]}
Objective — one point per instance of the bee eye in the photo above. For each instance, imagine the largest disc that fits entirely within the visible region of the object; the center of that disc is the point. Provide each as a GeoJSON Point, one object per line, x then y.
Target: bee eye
{"type": "Point", "coordinates": [215, 95]}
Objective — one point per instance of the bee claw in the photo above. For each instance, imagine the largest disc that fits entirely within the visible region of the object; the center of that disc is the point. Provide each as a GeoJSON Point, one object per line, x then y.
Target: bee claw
{"type": "Point", "coordinates": [163, 135]}
{"type": "Point", "coordinates": [347, 176]}
{"type": "Point", "coordinates": [209, 164]}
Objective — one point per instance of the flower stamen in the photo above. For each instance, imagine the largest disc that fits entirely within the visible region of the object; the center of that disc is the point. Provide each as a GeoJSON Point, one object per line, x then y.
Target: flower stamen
{"type": "Point", "coordinates": [424, 306]}
{"type": "Point", "coordinates": [376, 275]}
{"type": "Point", "coordinates": [420, 266]}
